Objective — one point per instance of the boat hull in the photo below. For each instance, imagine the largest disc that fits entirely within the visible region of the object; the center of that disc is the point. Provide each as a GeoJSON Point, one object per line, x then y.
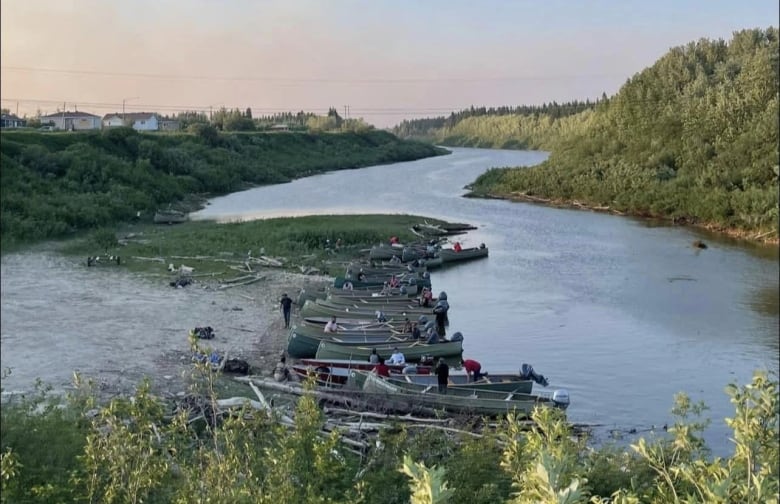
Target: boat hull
{"type": "Point", "coordinates": [413, 352]}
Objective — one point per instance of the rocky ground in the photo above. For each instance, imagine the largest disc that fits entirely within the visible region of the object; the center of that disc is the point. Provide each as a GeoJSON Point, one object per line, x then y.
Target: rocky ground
{"type": "Point", "coordinates": [247, 322]}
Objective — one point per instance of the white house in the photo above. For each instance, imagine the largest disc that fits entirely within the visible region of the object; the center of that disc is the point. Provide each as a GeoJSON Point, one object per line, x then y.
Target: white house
{"type": "Point", "coordinates": [141, 121]}
{"type": "Point", "coordinates": [72, 121]}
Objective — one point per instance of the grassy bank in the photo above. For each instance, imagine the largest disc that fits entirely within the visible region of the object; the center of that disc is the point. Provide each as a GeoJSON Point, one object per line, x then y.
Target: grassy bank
{"type": "Point", "coordinates": [299, 242]}
{"type": "Point", "coordinates": [54, 185]}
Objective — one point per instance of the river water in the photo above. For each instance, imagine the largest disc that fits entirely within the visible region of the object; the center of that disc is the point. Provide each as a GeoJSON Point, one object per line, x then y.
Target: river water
{"type": "Point", "coordinates": [622, 312]}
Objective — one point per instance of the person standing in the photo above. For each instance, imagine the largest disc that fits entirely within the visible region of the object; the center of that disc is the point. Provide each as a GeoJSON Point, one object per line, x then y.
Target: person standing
{"type": "Point", "coordinates": [374, 357]}
{"type": "Point", "coordinates": [473, 369]}
{"type": "Point", "coordinates": [442, 375]}
{"type": "Point", "coordinates": [286, 306]}
{"type": "Point", "coordinates": [440, 309]}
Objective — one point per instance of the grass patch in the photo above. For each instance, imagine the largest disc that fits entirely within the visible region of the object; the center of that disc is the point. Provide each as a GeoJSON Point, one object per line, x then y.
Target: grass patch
{"type": "Point", "coordinates": [298, 241]}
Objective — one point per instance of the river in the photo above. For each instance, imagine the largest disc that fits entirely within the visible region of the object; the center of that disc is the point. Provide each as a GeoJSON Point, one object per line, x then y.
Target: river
{"type": "Point", "coordinates": [622, 312]}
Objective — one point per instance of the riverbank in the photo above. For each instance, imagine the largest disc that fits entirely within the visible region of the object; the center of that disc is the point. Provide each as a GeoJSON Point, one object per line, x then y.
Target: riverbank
{"type": "Point", "coordinates": [764, 238]}
{"type": "Point", "coordinates": [117, 324]}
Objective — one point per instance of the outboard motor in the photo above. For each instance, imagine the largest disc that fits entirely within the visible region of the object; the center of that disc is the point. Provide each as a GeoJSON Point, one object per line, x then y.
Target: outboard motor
{"type": "Point", "coordinates": [429, 325]}
{"type": "Point", "coordinates": [403, 290]}
{"type": "Point", "coordinates": [561, 398]}
{"type": "Point", "coordinates": [412, 281]}
{"type": "Point", "coordinates": [527, 373]}
{"type": "Point", "coordinates": [458, 336]}
{"type": "Point", "coordinates": [422, 320]}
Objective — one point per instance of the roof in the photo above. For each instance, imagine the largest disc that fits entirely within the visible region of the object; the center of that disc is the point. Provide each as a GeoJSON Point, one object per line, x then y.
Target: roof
{"type": "Point", "coordinates": [132, 116]}
{"type": "Point", "coordinates": [69, 115]}
{"type": "Point", "coordinates": [11, 117]}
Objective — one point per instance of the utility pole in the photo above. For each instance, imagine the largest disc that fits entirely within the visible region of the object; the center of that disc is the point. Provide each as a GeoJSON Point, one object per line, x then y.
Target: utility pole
{"type": "Point", "coordinates": [123, 106]}
{"type": "Point", "coordinates": [63, 114]}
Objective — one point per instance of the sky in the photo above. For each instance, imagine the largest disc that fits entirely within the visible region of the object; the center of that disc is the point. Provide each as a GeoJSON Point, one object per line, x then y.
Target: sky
{"type": "Point", "coordinates": [382, 60]}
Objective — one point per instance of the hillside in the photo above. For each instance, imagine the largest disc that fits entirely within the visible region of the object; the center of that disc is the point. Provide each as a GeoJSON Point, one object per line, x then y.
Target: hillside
{"type": "Point", "coordinates": [693, 138]}
{"type": "Point", "coordinates": [54, 184]}
{"type": "Point", "coordinates": [524, 127]}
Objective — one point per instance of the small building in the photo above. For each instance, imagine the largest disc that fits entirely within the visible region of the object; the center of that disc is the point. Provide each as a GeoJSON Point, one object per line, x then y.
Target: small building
{"type": "Point", "coordinates": [170, 125]}
{"type": "Point", "coordinates": [279, 127]}
{"type": "Point", "coordinates": [11, 121]}
{"type": "Point", "coordinates": [141, 121]}
{"type": "Point", "coordinates": [71, 121]}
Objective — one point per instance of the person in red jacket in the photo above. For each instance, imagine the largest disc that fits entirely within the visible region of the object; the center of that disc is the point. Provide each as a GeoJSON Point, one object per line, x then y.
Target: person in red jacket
{"type": "Point", "coordinates": [457, 247]}
{"type": "Point", "coordinates": [473, 369]}
{"type": "Point", "coordinates": [382, 369]}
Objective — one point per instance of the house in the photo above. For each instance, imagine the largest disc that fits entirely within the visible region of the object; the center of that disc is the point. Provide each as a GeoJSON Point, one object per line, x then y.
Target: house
{"type": "Point", "coordinates": [170, 124]}
{"type": "Point", "coordinates": [141, 121]}
{"type": "Point", "coordinates": [72, 121]}
{"type": "Point", "coordinates": [11, 121]}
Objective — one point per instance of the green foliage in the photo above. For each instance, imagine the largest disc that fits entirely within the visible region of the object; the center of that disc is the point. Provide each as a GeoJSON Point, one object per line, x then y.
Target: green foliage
{"type": "Point", "coordinates": [693, 137]}
{"type": "Point", "coordinates": [53, 185]}
{"type": "Point", "coordinates": [544, 463]}
{"type": "Point", "coordinates": [428, 485]}
{"type": "Point", "coordinates": [131, 450]}
{"type": "Point", "coordinates": [104, 239]}
{"type": "Point", "coordinates": [39, 441]}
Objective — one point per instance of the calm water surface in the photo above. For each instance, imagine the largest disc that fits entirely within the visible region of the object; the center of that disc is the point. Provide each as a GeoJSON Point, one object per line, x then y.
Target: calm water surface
{"type": "Point", "coordinates": [622, 312]}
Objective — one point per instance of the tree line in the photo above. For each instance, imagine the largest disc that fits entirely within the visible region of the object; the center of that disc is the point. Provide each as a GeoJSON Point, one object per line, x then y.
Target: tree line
{"type": "Point", "coordinates": [55, 184]}
{"type": "Point", "coordinates": [693, 138]}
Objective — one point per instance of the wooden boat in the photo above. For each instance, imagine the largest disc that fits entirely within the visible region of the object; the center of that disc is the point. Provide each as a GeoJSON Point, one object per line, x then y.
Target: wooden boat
{"type": "Point", "coordinates": [304, 341]}
{"type": "Point", "coordinates": [169, 217]}
{"type": "Point", "coordinates": [378, 282]}
{"type": "Point", "coordinates": [500, 383]}
{"type": "Point", "coordinates": [413, 351]}
{"type": "Point", "coordinates": [466, 254]}
{"type": "Point", "coordinates": [459, 399]}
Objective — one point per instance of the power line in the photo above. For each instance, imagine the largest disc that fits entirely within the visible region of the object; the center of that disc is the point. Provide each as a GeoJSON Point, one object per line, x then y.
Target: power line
{"type": "Point", "coordinates": [307, 80]}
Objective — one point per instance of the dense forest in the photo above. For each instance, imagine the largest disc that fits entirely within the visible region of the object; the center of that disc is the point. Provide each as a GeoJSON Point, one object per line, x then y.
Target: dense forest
{"type": "Point", "coordinates": [521, 127]}
{"type": "Point", "coordinates": [53, 184]}
{"type": "Point", "coordinates": [693, 138]}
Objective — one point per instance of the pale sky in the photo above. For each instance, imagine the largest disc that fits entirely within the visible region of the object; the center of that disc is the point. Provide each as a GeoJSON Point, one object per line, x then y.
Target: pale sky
{"type": "Point", "coordinates": [387, 60]}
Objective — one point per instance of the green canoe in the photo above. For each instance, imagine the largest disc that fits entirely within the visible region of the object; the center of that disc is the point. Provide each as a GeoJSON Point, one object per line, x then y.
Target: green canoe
{"type": "Point", "coordinates": [461, 400]}
{"type": "Point", "coordinates": [413, 352]}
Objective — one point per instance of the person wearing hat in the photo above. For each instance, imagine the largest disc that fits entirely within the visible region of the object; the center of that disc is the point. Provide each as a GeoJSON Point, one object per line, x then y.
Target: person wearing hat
{"type": "Point", "coordinates": [286, 306]}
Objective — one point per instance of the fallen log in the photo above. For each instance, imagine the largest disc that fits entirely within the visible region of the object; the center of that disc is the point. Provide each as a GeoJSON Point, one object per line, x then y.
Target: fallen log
{"type": "Point", "coordinates": [153, 259]}
{"type": "Point", "coordinates": [238, 279]}
{"type": "Point", "coordinates": [247, 282]}
{"type": "Point", "coordinates": [383, 416]}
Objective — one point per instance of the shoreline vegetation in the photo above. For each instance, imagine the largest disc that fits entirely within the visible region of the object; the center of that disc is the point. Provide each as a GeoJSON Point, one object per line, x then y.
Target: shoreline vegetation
{"type": "Point", "coordinates": [55, 185]}
{"type": "Point", "coordinates": [692, 139]}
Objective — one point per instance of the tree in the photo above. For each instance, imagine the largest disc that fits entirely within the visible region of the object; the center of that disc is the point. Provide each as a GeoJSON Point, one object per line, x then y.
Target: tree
{"type": "Point", "coordinates": [248, 113]}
